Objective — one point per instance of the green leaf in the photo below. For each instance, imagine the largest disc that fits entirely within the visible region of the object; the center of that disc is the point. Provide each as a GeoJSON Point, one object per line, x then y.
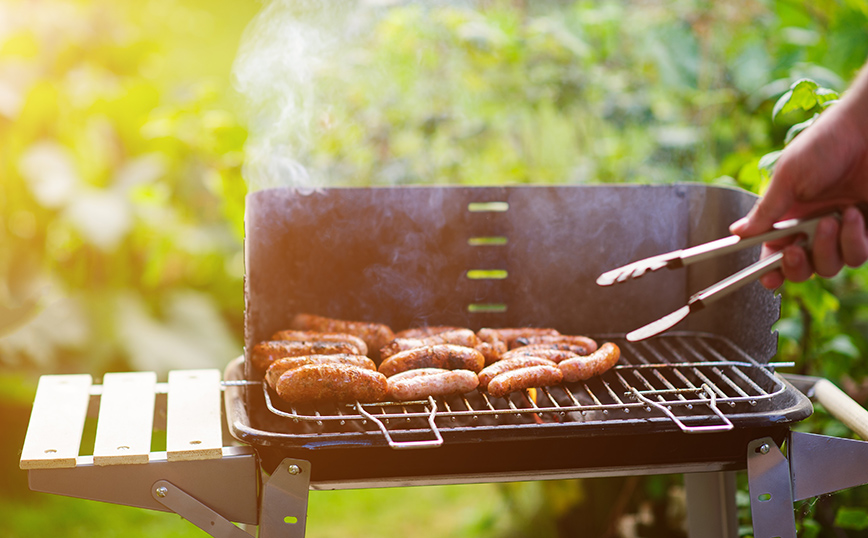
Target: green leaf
{"type": "Point", "coordinates": [825, 95]}
{"type": "Point", "coordinates": [767, 162]}
{"type": "Point", "coordinates": [801, 96]}
{"type": "Point", "coordinates": [810, 528]}
{"type": "Point", "coordinates": [798, 128]}
{"type": "Point", "coordinates": [841, 344]}
{"type": "Point", "coordinates": [781, 103]}
{"type": "Point", "coordinates": [852, 518]}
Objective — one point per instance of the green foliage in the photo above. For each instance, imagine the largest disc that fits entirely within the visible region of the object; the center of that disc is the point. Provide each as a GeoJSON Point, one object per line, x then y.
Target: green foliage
{"type": "Point", "coordinates": [121, 189]}
{"type": "Point", "coordinates": [852, 518]}
{"type": "Point", "coordinates": [121, 201]}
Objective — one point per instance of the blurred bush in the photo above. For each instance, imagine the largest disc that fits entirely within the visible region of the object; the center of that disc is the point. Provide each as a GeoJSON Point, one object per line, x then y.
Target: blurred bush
{"type": "Point", "coordinates": [121, 199]}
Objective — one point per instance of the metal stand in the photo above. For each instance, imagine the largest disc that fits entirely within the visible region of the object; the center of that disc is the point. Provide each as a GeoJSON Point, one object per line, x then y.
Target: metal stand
{"type": "Point", "coordinates": [816, 465]}
{"type": "Point", "coordinates": [711, 510]}
{"type": "Point", "coordinates": [212, 485]}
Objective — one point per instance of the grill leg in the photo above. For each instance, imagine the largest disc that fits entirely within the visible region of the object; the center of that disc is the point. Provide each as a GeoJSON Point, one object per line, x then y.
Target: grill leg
{"type": "Point", "coordinates": [711, 510]}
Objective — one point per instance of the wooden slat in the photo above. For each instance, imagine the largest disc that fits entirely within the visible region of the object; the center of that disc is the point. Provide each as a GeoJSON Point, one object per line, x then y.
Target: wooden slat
{"type": "Point", "coordinates": [193, 428]}
{"type": "Point", "coordinates": [126, 418]}
{"type": "Point", "coordinates": [53, 437]}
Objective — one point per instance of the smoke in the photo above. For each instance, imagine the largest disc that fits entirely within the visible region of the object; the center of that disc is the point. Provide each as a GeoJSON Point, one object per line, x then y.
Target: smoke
{"type": "Point", "coordinates": [278, 68]}
{"type": "Point", "coordinates": [296, 60]}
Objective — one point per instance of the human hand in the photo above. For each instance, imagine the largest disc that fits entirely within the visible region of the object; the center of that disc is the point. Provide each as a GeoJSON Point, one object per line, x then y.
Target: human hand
{"type": "Point", "coordinates": [824, 168]}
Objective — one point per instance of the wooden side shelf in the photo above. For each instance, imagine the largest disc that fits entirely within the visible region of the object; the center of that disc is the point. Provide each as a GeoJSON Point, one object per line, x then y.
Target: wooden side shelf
{"type": "Point", "coordinates": [126, 419]}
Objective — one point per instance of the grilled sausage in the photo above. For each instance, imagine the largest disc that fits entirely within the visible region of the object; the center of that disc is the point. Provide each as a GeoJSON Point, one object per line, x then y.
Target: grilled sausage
{"type": "Point", "coordinates": [524, 378]}
{"type": "Point", "coordinates": [509, 335]}
{"type": "Point", "coordinates": [278, 367]}
{"type": "Point", "coordinates": [422, 332]}
{"type": "Point", "coordinates": [543, 351]}
{"type": "Point", "coordinates": [582, 368]}
{"type": "Point", "coordinates": [447, 356]}
{"type": "Point", "coordinates": [492, 351]}
{"type": "Point", "coordinates": [424, 382]}
{"type": "Point", "coordinates": [492, 371]}
{"type": "Point", "coordinates": [582, 344]}
{"type": "Point", "coordinates": [313, 336]}
{"type": "Point", "coordinates": [375, 335]}
{"type": "Point", "coordinates": [331, 382]}
{"type": "Point", "coordinates": [459, 337]}
{"type": "Point", "coordinates": [265, 353]}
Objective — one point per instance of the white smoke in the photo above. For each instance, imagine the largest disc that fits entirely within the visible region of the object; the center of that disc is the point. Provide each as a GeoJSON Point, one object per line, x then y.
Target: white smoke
{"type": "Point", "coordinates": [291, 56]}
{"type": "Point", "coordinates": [281, 56]}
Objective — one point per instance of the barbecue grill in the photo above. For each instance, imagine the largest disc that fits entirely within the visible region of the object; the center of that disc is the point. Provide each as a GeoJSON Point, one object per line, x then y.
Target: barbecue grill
{"type": "Point", "coordinates": [704, 399]}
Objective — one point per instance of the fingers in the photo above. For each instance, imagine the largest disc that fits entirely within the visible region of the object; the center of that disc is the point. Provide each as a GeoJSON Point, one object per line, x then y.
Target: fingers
{"type": "Point", "coordinates": [795, 266]}
{"type": "Point", "coordinates": [767, 210]}
{"type": "Point", "coordinates": [826, 253]}
{"type": "Point", "coordinates": [854, 239]}
{"type": "Point", "coordinates": [836, 244]}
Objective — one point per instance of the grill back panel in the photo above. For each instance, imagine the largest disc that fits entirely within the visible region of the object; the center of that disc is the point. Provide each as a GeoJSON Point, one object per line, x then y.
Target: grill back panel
{"type": "Point", "coordinates": [400, 256]}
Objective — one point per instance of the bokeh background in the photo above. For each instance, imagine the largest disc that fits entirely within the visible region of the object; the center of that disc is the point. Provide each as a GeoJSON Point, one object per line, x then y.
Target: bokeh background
{"type": "Point", "coordinates": [130, 133]}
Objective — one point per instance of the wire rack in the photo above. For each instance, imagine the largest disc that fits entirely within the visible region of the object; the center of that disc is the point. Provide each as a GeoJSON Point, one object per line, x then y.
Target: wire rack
{"type": "Point", "coordinates": [693, 380]}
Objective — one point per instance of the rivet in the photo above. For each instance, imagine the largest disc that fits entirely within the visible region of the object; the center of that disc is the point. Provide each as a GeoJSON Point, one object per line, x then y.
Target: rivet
{"type": "Point", "coordinates": [764, 448]}
{"type": "Point", "coordinates": [162, 491]}
{"type": "Point", "coordinates": [294, 469]}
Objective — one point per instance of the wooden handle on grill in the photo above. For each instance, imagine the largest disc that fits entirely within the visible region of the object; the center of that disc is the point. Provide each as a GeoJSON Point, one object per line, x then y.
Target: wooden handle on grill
{"type": "Point", "coordinates": [842, 407]}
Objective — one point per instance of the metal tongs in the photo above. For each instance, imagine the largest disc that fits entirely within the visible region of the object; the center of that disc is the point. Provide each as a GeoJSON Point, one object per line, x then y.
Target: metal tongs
{"type": "Point", "coordinates": [706, 251]}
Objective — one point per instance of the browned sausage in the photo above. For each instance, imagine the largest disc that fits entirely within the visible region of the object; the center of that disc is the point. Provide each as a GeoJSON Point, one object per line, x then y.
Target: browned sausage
{"type": "Point", "coordinates": [288, 363]}
{"type": "Point", "coordinates": [422, 332]}
{"type": "Point", "coordinates": [375, 335]}
{"type": "Point", "coordinates": [490, 372]}
{"type": "Point", "coordinates": [313, 336]}
{"type": "Point", "coordinates": [424, 382]}
{"type": "Point", "coordinates": [331, 382]}
{"type": "Point", "coordinates": [447, 356]}
{"type": "Point", "coordinates": [459, 337]}
{"type": "Point", "coordinates": [583, 345]}
{"type": "Point", "coordinates": [543, 351]}
{"type": "Point", "coordinates": [582, 368]}
{"type": "Point", "coordinates": [524, 378]}
{"type": "Point", "coordinates": [265, 353]}
{"type": "Point", "coordinates": [509, 335]}
{"type": "Point", "coordinates": [492, 351]}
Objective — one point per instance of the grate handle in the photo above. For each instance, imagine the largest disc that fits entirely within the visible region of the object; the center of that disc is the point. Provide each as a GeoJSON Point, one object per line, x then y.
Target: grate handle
{"type": "Point", "coordinates": [404, 445]}
{"type": "Point", "coordinates": [711, 403]}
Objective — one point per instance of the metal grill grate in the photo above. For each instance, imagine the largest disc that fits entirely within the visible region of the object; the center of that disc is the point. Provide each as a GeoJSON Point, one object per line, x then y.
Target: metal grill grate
{"type": "Point", "coordinates": [693, 380]}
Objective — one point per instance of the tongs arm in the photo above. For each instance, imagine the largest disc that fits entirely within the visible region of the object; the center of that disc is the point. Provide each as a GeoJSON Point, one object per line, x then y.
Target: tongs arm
{"type": "Point", "coordinates": [707, 251]}
{"type": "Point", "coordinates": [734, 243]}
{"type": "Point", "coordinates": [735, 281]}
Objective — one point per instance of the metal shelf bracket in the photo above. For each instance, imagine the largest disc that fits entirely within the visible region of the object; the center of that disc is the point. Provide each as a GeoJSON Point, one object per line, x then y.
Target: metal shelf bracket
{"type": "Point", "coordinates": [284, 500]}
{"type": "Point", "coordinates": [771, 494]}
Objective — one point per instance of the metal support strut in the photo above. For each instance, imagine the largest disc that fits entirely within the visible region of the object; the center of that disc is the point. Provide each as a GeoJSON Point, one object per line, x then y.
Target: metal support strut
{"type": "Point", "coordinates": [188, 507]}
